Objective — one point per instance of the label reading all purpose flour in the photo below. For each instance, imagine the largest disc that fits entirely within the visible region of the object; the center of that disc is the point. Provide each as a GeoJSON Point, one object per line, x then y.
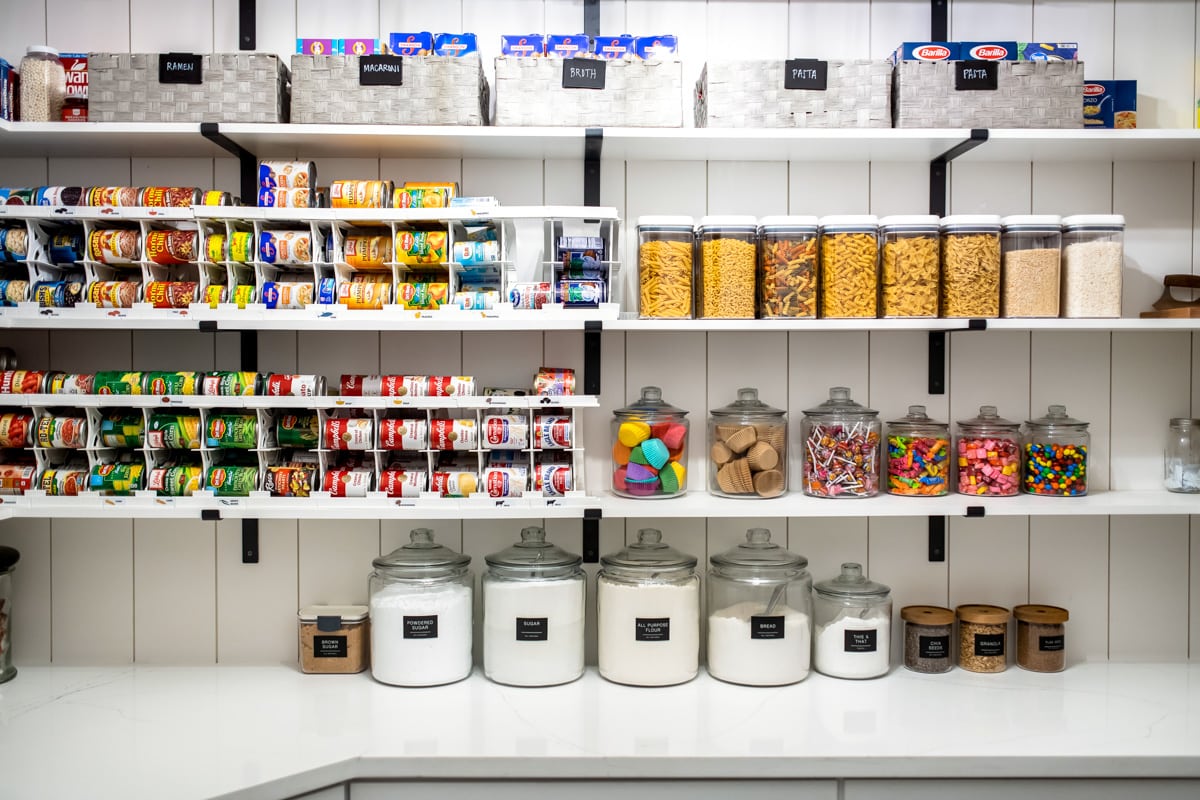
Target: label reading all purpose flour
{"type": "Point", "coordinates": [766, 627]}
{"type": "Point", "coordinates": [652, 629]}
{"type": "Point", "coordinates": [989, 644]}
{"type": "Point", "coordinates": [1051, 644]}
{"type": "Point", "coordinates": [420, 627]}
{"type": "Point", "coordinates": [861, 641]}
{"type": "Point", "coordinates": [329, 646]}
{"type": "Point", "coordinates": [933, 646]}
{"type": "Point", "coordinates": [533, 629]}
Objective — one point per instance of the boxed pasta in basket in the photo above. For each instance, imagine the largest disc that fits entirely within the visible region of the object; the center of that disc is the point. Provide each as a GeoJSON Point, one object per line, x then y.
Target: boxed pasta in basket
{"type": "Point", "coordinates": [996, 94]}
{"type": "Point", "coordinates": [635, 93]}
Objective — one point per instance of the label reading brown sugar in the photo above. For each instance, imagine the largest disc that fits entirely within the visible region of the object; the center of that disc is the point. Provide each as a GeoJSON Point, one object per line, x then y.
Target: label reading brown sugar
{"type": "Point", "coordinates": [329, 647]}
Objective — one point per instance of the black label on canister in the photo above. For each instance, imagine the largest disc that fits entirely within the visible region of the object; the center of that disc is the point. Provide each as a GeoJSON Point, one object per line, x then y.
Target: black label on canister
{"type": "Point", "coordinates": [533, 629]}
{"type": "Point", "coordinates": [329, 647]}
{"type": "Point", "coordinates": [805, 73]}
{"type": "Point", "coordinates": [933, 646]}
{"type": "Point", "coordinates": [766, 627]}
{"type": "Point", "coordinates": [1051, 644]}
{"type": "Point", "coordinates": [989, 644]}
{"type": "Point", "coordinates": [976, 75]}
{"type": "Point", "coordinates": [583, 73]}
{"type": "Point", "coordinates": [180, 68]}
{"type": "Point", "coordinates": [380, 71]}
{"type": "Point", "coordinates": [865, 641]}
{"type": "Point", "coordinates": [652, 629]}
{"type": "Point", "coordinates": [420, 627]}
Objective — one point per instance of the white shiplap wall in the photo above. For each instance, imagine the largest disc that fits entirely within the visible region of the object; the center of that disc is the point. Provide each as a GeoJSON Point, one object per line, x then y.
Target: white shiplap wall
{"type": "Point", "coordinates": [113, 591]}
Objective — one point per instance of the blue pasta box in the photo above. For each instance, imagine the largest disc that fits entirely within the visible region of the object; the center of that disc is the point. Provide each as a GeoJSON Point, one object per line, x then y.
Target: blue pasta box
{"type": "Point", "coordinates": [570, 45]}
{"type": "Point", "coordinates": [650, 47]}
{"type": "Point", "coordinates": [987, 51]}
{"type": "Point", "coordinates": [926, 51]}
{"type": "Point", "coordinates": [1110, 104]}
{"type": "Point", "coordinates": [615, 47]}
{"type": "Point", "coordinates": [359, 47]}
{"type": "Point", "coordinates": [318, 47]}
{"type": "Point", "coordinates": [455, 44]}
{"type": "Point", "coordinates": [519, 45]}
{"type": "Point", "coordinates": [1047, 51]}
{"type": "Point", "coordinates": [419, 43]}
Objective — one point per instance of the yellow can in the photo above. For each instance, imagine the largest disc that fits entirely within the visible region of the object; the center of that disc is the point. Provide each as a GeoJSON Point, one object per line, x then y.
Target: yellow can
{"type": "Point", "coordinates": [364, 294]}
{"type": "Point", "coordinates": [367, 252]}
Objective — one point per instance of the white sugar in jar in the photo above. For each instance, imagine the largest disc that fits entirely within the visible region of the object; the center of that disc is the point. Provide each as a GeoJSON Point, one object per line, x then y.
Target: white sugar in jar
{"type": "Point", "coordinates": [853, 625]}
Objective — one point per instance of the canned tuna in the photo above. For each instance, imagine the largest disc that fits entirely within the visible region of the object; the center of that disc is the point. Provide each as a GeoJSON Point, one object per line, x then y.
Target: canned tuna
{"type": "Point", "coordinates": [279, 385]}
{"type": "Point", "coordinates": [403, 482]}
{"type": "Point", "coordinates": [170, 196]}
{"type": "Point", "coordinates": [117, 383]}
{"type": "Point", "coordinates": [453, 483]}
{"type": "Point", "coordinates": [552, 479]}
{"type": "Point", "coordinates": [20, 381]}
{"type": "Point", "coordinates": [16, 430]}
{"type": "Point", "coordinates": [360, 194]}
{"type": "Point", "coordinates": [287, 295]}
{"type": "Point", "coordinates": [552, 432]}
{"type": "Point", "coordinates": [175, 481]}
{"type": "Point", "coordinates": [354, 482]}
{"type": "Point", "coordinates": [231, 384]}
{"type": "Point", "coordinates": [297, 430]}
{"type": "Point", "coordinates": [241, 247]}
{"type": "Point", "coordinates": [16, 478]}
{"type": "Point", "coordinates": [505, 431]}
{"type": "Point", "coordinates": [231, 431]}
{"type": "Point", "coordinates": [162, 383]}
{"type": "Point", "coordinates": [531, 295]}
{"type": "Point", "coordinates": [113, 294]}
{"type": "Point", "coordinates": [114, 246]}
{"type": "Point", "coordinates": [172, 294]}
{"type": "Point", "coordinates": [118, 479]}
{"type": "Point", "coordinates": [291, 481]}
{"type": "Point", "coordinates": [367, 252]}
{"type": "Point", "coordinates": [342, 433]}
{"type": "Point", "coordinates": [505, 481]}
{"type": "Point", "coordinates": [64, 482]}
{"type": "Point", "coordinates": [122, 430]}
{"type": "Point", "coordinates": [171, 247]}
{"type": "Point", "coordinates": [174, 432]}
{"type": "Point", "coordinates": [65, 248]}
{"type": "Point", "coordinates": [403, 434]}
{"type": "Point", "coordinates": [61, 433]}
{"type": "Point", "coordinates": [70, 383]}
{"type": "Point", "coordinates": [58, 294]}
{"type": "Point", "coordinates": [231, 481]}
{"type": "Point", "coordinates": [452, 434]}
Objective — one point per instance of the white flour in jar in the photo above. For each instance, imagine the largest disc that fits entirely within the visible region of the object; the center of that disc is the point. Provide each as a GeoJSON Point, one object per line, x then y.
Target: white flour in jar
{"type": "Point", "coordinates": [533, 631]}
{"type": "Point", "coordinates": [740, 650]}
{"type": "Point", "coordinates": [649, 634]}
{"type": "Point", "coordinates": [421, 634]}
{"type": "Point", "coordinates": [1092, 279]}
{"type": "Point", "coordinates": [854, 647]}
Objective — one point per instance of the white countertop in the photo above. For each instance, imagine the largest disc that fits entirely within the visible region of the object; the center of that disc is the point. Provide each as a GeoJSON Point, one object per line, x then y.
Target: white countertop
{"type": "Point", "coordinates": [271, 732]}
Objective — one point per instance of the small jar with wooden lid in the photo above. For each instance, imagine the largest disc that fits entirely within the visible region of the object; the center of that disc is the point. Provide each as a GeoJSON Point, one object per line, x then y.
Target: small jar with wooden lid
{"type": "Point", "coordinates": [982, 637]}
{"type": "Point", "coordinates": [928, 633]}
{"type": "Point", "coordinates": [1041, 638]}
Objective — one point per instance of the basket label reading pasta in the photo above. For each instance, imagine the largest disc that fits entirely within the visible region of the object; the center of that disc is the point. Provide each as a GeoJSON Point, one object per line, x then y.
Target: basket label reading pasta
{"type": "Point", "coordinates": [976, 75]}
{"type": "Point", "coordinates": [805, 73]}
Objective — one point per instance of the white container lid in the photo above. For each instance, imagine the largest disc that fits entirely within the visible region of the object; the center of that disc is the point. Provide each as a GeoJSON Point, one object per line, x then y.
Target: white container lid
{"type": "Point", "coordinates": [729, 221]}
{"type": "Point", "coordinates": [909, 221]}
{"type": "Point", "coordinates": [849, 221]}
{"type": "Point", "coordinates": [971, 220]}
{"type": "Point", "coordinates": [1031, 221]}
{"type": "Point", "coordinates": [805, 221]}
{"type": "Point", "coordinates": [346, 613]}
{"type": "Point", "coordinates": [1094, 221]}
{"type": "Point", "coordinates": [41, 50]}
{"type": "Point", "coordinates": [665, 221]}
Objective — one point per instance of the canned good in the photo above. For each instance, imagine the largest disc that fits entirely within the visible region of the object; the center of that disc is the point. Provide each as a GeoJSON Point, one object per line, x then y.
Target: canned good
{"type": "Point", "coordinates": [427, 197]}
{"type": "Point", "coordinates": [60, 196]}
{"type": "Point", "coordinates": [421, 247]}
{"type": "Point", "coordinates": [61, 433]}
{"type": "Point", "coordinates": [453, 483]}
{"type": "Point", "coordinates": [241, 247]}
{"type": "Point", "coordinates": [122, 430]}
{"type": "Point", "coordinates": [172, 294]}
{"type": "Point", "coordinates": [505, 431]}
{"type": "Point", "coordinates": [452, 434]}
{"type": "Point", "coordinates": [367, 252]}
{"type": "Point", "coordinates": [20, 381]}
{"type": "Point", "coordinates": [290, 481]}
{"type": "Point", "coordinates": [162, 383]}
{"type": "Point", "coordinates": [477, 300]}
{"type": "Point", "coordinates": [349, 433]}
{"type": "Point", "coordinates": [171, 247]}
{"type": "Point", "coordinates": [473, 253]}
{"type": "Point", "coordinates": [15, 243]}
{"type": "Point", "coordinates": [354, 482]}
{"type": "Point", "coordinates": [552, 479]}
{"type": "Point", "coordinates": [279, 385]}
{"type": "Point", "coordinates": [18, 197]}
{"type": "Point", "coordinates": [112, 196]}
{"type": "Point", "coordinates": [360, 194]}
{"type": "Point", "coordinates": [13, 292]}
{"type": "Point", "coordinates": [531, 295]}
{"type": "Point", "coordinates": [363, 295]}
{"type": "Point", "coordinates": [214, 248]}
{"type": "Point", "coordinates": [114, 246]}
{"type": "Point", "coordinates": [16, 478]}
{"type": "Point", "coordinates": [403, 482]}
{"type": "Point", "coordinates": [327, 293]}
{"type": "Point", "coordinates": [125, 478]}
{"type": "Point", "coordinates": [65, 248]}
{"type": "Point", "coordinates": [287, 295]}
{"type": "Point", "coordinates": [16, 429]}
{"type": "Point", "coordinates": [174, 432]}
{"type": "Point", "coordinates": [297, 430]}
{"type": "Point", "coordinates": [58, 294]}
{"type": "Point", "coordinates": [175, 481]}
{"type": "Point", "coordinates": [214, 295]}
{"type": "Point", "coordinates": [422, 296]}
{"type": "Point", "coordinates": [552, 432]}
{"type": "Point", "coordinates": [117, 383]}
{"type": "Point", "coordinates": [403, 434]}
{"type": "Point", "coordinates": [581, 294]}
{"type": "Point", "coordinates": [450, 386]}
{"type": "Point", "coordinates": [505, 481]}
{"type": "Point", "coordinates": [231, 384]}
{"type": "Point", "coordinates": [65, 482]}
{"type": "Point", "coordinates": [170, 196]}
{"type": "Point", "coordinates": [286, 248]}
{"type": "Point", "coordinates": [212, 197]}
{"type": "Point", "coordinates": [287, 174]}
{"type": "Point", "coordinates": [231, 481]}
{"type": "Point", "coordinates": [231, 431]}
{"type": "Point", "coordinates": [112, 294]}
{"type": "Point", "coordinates": [299, 197]}
{"type": "Point", "coordinates": [70, 383]}
{"type": "Point", "coordinates": [243, 295]}
{"type": "Point", "coordinates": [554, 382]}
{"type": "Point", "coordinates": [370, 385]}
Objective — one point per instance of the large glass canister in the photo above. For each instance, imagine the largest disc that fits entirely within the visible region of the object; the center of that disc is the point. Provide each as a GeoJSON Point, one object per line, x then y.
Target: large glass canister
{"type": "Point", "coordinates": [649, 455]}
{"type": "Point", "coordinates": [971, 266]}
{"type": "Point", "coordinates": [666, 249]}
{"type": "Point", "coordinates": [1093, 256]}
{"type": "Point", "coordinates": [533, 601]}
{"type": "Point", "coordinates": [8, 561]}
{"type": "Point", "coordinates": [918, 460]}
{"type": "Point", "coordinates": [727, 259]}
{"type": "Point", "coordinates": [853, 623]}
{"type": "Point", "coordinates": [849, 266]}
{"type": "Point", "coordinates": [911, 271]}
{"type": "Point", "coordinates": [989, 455]}
{"type": "Point", "coordinates": [1181, 465]}
{"type": "Point", "coordinates": [787, 267]}
{"type": "Point", "coordinates": [421, 612]}
{"type": "Point", "coordinates": [1030, 251]}
{"type": "Point", "coordinates": [1056, 454]}
{"type": "Point", "coordinates": [648, 614]}
{"type": "Point", "coordinates": [747, 446]}
{"type": "Point", "coordinates": [841, 447]}
{"type": "Point", "coordinates": [759, 613]}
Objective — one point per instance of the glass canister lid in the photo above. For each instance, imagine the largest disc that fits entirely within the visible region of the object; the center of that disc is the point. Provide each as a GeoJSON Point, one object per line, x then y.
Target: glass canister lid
{"type": "Point", "coordinates": [759, 552]}
{"type": "Point", "coordinates": [840, 404]}
{"type": "Point", "coordinates": [917, 419]}
{"type": "Point", "coordinates": [649, 554]}
{"type": "Point", "coordinates": [422, 557]}
{"type": "Point", "coordinates": [1056, 417]}
{"type": "Point", "coordinates": [988, 418]}
{"type": "Point", "coordinates": [748, 405]}
{"type": "Point", "coordinates": [533, 557]}
{"type": "Point", "coordinates": [650, 403]}
{"type": "Point", "coordinates": [851, 584]}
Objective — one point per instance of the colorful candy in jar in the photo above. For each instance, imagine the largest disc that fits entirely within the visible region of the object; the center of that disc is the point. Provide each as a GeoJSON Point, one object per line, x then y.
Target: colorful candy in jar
{"type": "Point", "coordinates": [649, 447]}
{"type": "Point", "coordinates": [1056, 449]}
{"type": "Point", "coordinates": [989, 455]}
{"type": "Point", "coordinates": [918, 462]}
{"type": "Point", "coordinates": [841, 448]}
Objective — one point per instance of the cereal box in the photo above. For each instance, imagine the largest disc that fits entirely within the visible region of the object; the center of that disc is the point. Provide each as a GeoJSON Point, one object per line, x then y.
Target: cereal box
{"type": "Point", "coordinates": [1047, 51]}
{"type": "Point", "coordinates": [522, 45]}
{"type": "Point", "coordinates": [359, 47]}
{"type": "Point", "coordinates": [926, 51]}
{"type": "Point", "coordinates": [318, 47]}
{"type": "Point", "coordinates": [987, 51]}
{"type": "Point", "coordinates": [419, 43]}
{"type": "Point", "coordinates": [1110, 104]}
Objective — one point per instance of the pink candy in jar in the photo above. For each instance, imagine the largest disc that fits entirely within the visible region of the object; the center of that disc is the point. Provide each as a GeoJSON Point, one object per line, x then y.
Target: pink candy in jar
{"type": "Point", "coordinates": [989, 455]}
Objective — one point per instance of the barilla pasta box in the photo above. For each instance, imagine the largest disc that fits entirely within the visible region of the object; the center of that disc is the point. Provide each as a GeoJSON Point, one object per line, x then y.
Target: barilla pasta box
{"type": "Point", "coordinates": [359, 47]}
{"type": "Point", "coordinates": [1110, 104]}
{"type": "Point", "coordinates": [419, 43]}
{"type": "Point", "coordinates": [528, 45]}
{"type": "Point", "coordinates": [614, 47]}
{"type": "Point", "coordinates": [1047, 51]}
{"type": "Point", "coordinates": [570, 45]}
{"type": "Point", "coordinates": [925, 51]}
{"type": "Point", "coordinates": [987, 51]}
{"type": "Point", "coordinates": [455, 44]}
{"type": "Point", "coordinates": [318, 47]}
{"type": "Point", "coordinates": [650, 47]}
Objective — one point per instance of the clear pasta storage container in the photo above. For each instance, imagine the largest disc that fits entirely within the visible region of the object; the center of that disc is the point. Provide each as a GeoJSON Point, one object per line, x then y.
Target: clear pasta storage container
{"type": "Point", "coordinates": [666, 249]}
{"type": "Point", "coordinates": [971, 266]}
{"type": "Point", "coordinates": [841, 448]}
{"type": "Point", "coordinates": [849, 266]}
{"type": "Point", "coordinates": [747, 445]}
{"type": "Point", "coordinates": [649, 455]}
{"type": "Point", "coordinates": [787, 267]}
{"type": "Point", "coordinates": [1056, 454]}
{"type": "Point", "coordinates": [727, 261]}
{"type": "Point", "coordinates": [910, 274]}
{"type": "Point", "coordinates": [1030, 250]}
{"type": "Point", "coordinates": [989, 455]}
{"type": "Point", "coordinates": [1093, 256]}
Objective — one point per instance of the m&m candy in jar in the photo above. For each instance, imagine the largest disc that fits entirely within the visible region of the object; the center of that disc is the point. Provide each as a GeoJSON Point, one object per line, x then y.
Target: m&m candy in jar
{"type": "Point", "coordinates": [989, 455]}
{"type": "Point", "coordinates": [1056, 454]}
{"type": "Point", "coordinates": [918, 459]}
{"type": "Point", "coordinates": [649, 455]}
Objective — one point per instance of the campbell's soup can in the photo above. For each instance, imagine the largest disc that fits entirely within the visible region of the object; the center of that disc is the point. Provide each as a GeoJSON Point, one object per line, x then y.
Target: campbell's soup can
{"type": "Point", "coordinates": [118, 479]}
{"type": "Point", "coordinates": [504, 481]}
{"type": "Point", "coordinates": [403, 482]}
{"type": "Point", "coordinates": [16, 478]}
{"type": "Point", "coordinates": [20, 381]}
{"type": "Point", "coordinates": [453, 483]}
{"type": "Point", "coordinates": [117, 382]}
{"type": "Point", "coordinates": [170, 196]}
{"type": "Point", "coordinates": [290, 481]}
{"type": "Point", "coordinates": [112, 196]}
{"type": "Point", "coordinates": [214, 295]}
{"type": "Point", "coordinates": [349, 433]}
{"type": "Point", "coordinates": [70, 383]}
{"type": "Point", "coordinates": [231, 384]}
{"type": "Point", "coordinates": [371, 385]}
{"type": "Point", "coordinates": [281, 385]}
{"type": "Point", "coordinates": [360, 194]}
{"type": "Point", "coordinates": [451, 386]}
{"type": "Point", "coordinates": [552, 432]}
{"type": "Point", "coordinates": [298, 430]}
{"type": "Point", "coordinates": [112, 294]}
{"type": "Point", "coordinates": [287, 174]}
{"type": "Point", "coordinates": [65, 248]}
{"type": "Point", "coordinates": [241, 247]}
{"type": "Point", "coordinates": [361, 295]}
{"type": "Point", "coordinates": [171, 247]}
{"type": "Point", "coordinates": [114, 246]}
{"type": "Point", "coordinates": [403, 434]}
{"type": "Point", "coordinates": [286, 248]}
{"type": "Point", "coordinates": [231, 431]}
{"type": "Point", "coordinates": [58, 294]}
{"type": "Point", "coordinates": [212, 197]}
{"type": "Point", "coordinates": [367, 252]}
{"type": "Point", "coordinates": [61, 433]}
{"type": "Point", "coordinates": [354, 482]}
{"type": "Point", "coordinates": [16, 430]}
{"type": "Point", "coordinates": [63, 482]}
{"type": "Point", "coordinates": [174, 432]}
{"type": "Point", "coordinates": [231, 481]}
{"type": "Point", "coordinates": [162, 383]}
{"type": "Point", "coordinates": [552, 479]}
{"type": "Point", "coordinates": [122, 430]}
{"type": "Point", "coordinates": [505, 432]}
{"type": "Point", "coordinates": [452, 434]}
{"type": "Point", "coordinates": [176, 481]}
{"type": "Point", "coordinates": [214, 248]}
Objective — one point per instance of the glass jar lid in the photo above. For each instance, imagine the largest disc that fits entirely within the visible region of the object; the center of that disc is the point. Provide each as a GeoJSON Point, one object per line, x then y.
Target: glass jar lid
{"type": "Point", "coordinates": [916, 418]}
{"type": "Point", "coordinates": [533, 557]}
{"type": "Point", "coordinates": [650, 403]}
{"type": "Point", "coordinates": [748, 405]}
{"type": "Point", "coordinates": [982, 614]}
{"type": "Point", "coordinates": [988, 418]}
{"type": "Point", "coordinates": [851, 584]}
{"type": "Point", "coordinates": [1056, 417]}
{"type": "Point", "coordinates": [759, 552]}
{"type": "Point", "coordinates": [839, 403]}
{"type": "Point", "coordinates": [649, 556]}
{"type": "Point", "coordinates": [927, 615]}
{"type": "Point", "coordinates": [1184, 423]}
{"type": "Point", "coordinates": [422, 557]}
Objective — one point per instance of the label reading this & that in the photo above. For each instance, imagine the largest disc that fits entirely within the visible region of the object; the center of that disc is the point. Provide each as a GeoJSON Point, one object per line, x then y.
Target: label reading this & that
{"type": "Point", "coordinates": [420, 627]}
{"type": "Point", "coordinates": [806, 73]}
{"type": "Point", "coordinates": [329, 646]}
{"type": "Point", "coordinates": [933, 646]}
{"type": "Point", "coordinates": [762, 627]}
{"type": "Point", "coordinates": [652, 629]}
{"type": "Point", "coordinates": [380, 71]}
{"type": "Point", "coordinates": [533, 629]}
{"type": "Point", "coordinates": [1051, 644]}
{"type": "Point", "coordinates": [583, 73]}
{"type": "Point", "coordinates": [865, 641]}
{"type": "Point", "coordinates": [976, 75]}
{"type": "Point", "coordinates": [180, 68]}
{"type": "Point", "coordinates": [989, 644]}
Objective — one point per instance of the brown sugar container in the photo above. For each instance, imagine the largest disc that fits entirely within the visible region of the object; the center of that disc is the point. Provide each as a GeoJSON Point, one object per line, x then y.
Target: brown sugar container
{"type": "Point", "coordinates": [982, 637]}
{"type": "Point", "coordinates": [1041, 638]}
{"type": "Point", "coordinates": [333, 639]}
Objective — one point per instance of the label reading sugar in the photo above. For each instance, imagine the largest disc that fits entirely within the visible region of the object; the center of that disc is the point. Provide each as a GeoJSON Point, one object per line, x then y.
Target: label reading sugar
{"type": "Point", "coordinates": [380, 71]}
{"type": "Point", "coordinates": [766, 627]}
{"type": "Point", "coordinates": [652, 629]}
{"type": "Point", "coordinates": [933, 646]}
{"type": "Point", "coordinates": [861, 641]}
{"type": "Point", "coordinates": [180, 68]}
{"type": "Point", "coordinates": [806, 73]}
{"type": "Point", "coordinates": [420, 627]}
{"type": "Point", "coordinates": [583, 73]}
{"type": "Point", "coordinates": [976, 75]}
{"type": "Point", "coordinates": [533, 629]}
{"type": "Point", "coordinates": [989, 644]}
{"type": "Point", "coordinates": [329, 646]}
{"type": "Point", "coordinates": [1051, 644]}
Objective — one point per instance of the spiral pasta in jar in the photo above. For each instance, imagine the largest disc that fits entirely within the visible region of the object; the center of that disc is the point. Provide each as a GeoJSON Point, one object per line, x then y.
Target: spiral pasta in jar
{"type": "Point", "coordinates": [971, 266]}
{"type": "Point", "coordinates": [787, 267]}
{"type": "Point", "coordinates": [727, 261]}
{"type": "Point", "coordinates": [665, 251]}
{"type": "Point", "coordinates": [909, 275]}
{"type": "Point", "coordinates": [849, 266]}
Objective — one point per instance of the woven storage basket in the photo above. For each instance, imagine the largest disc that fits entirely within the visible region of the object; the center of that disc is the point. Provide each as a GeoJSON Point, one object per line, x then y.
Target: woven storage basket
{"type": "Point", "coordinates": [750, 94]}
{"type": "Point", "coordinates": [237, 87]}
{"type": "Point", "coordinates": [1029, 94]}
{"type": "Point", "coordinates": [437, 90]}
{"type": "Point", "coordinates": [636, 94]}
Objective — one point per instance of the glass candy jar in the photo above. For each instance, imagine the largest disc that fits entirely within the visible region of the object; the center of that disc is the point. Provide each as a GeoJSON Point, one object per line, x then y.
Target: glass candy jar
{"type": "Point", "coordinates": [853, 623]}
{"type": "Point", "coordinates": [649, 454]}
{"type": "Point", "coordinates": [1056, 454]}
{"type": "Point", "coordinates": [918, 461]}
{"type": "Point", "coordinates": [841, 448]}
{"type": "Point", "coordinates": [747, 445]}
{"type": "Point", "coordinates": [989, 455]}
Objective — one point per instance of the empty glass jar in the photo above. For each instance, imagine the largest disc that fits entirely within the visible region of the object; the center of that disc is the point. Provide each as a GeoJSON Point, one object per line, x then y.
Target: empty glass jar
{"type": "Point", "coordinates": [649, 456]}
{"type": "Point", "coordinates": [841, 448]}
{"type": "Point", "coordinates": [1056, 454]}
{"type": "Point", "coordinates": [1182, 462]}
{"type": "Point", "coordinates": [747, 445]}
{"type": "Point", "coordinates": [853, 623]}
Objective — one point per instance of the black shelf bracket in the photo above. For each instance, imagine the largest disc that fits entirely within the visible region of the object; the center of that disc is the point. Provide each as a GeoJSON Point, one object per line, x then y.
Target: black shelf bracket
{"type": "Point", "coordinates": [937, 362]}
{"type": "Point", "coordinates": [937, 538]}
{"type": "Point", "coordinates": [938, 174]}
{"type": "Point", "coordinates": [592, 331]}
{"type": "Point", "coordinates": [593, 142]}
{"type": "Point", "coordinates": [210, 514]}
{"type": "Point", "coordinates": [591, 535]}
{"type": "Point", "coordinates": [247, 161]}
{"type": "Point", "coordinates": [247, 22]}
{"type": "Point", "coordinates": [976, 511]}
{"type": "Point", "coordinates": [591, 17]}
{"type": "Point", "coordinates": [939, 20]}
{"type": "Point", "coordinates": [249, 541]}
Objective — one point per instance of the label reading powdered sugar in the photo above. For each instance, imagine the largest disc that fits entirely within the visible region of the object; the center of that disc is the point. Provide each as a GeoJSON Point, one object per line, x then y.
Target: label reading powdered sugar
{"type": "Point", "coordinates": [652, 629]}
{"type": "Point", "coordinates": [861, 641]}
{"type": "Point", "coordinates": [329, 646]}
{"type": "Point", "coordinates": [766, 627]}
{"type": "Point", "coordinates": [421, 627]}
{"type": "Point", "coordinates": [533, 629]}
